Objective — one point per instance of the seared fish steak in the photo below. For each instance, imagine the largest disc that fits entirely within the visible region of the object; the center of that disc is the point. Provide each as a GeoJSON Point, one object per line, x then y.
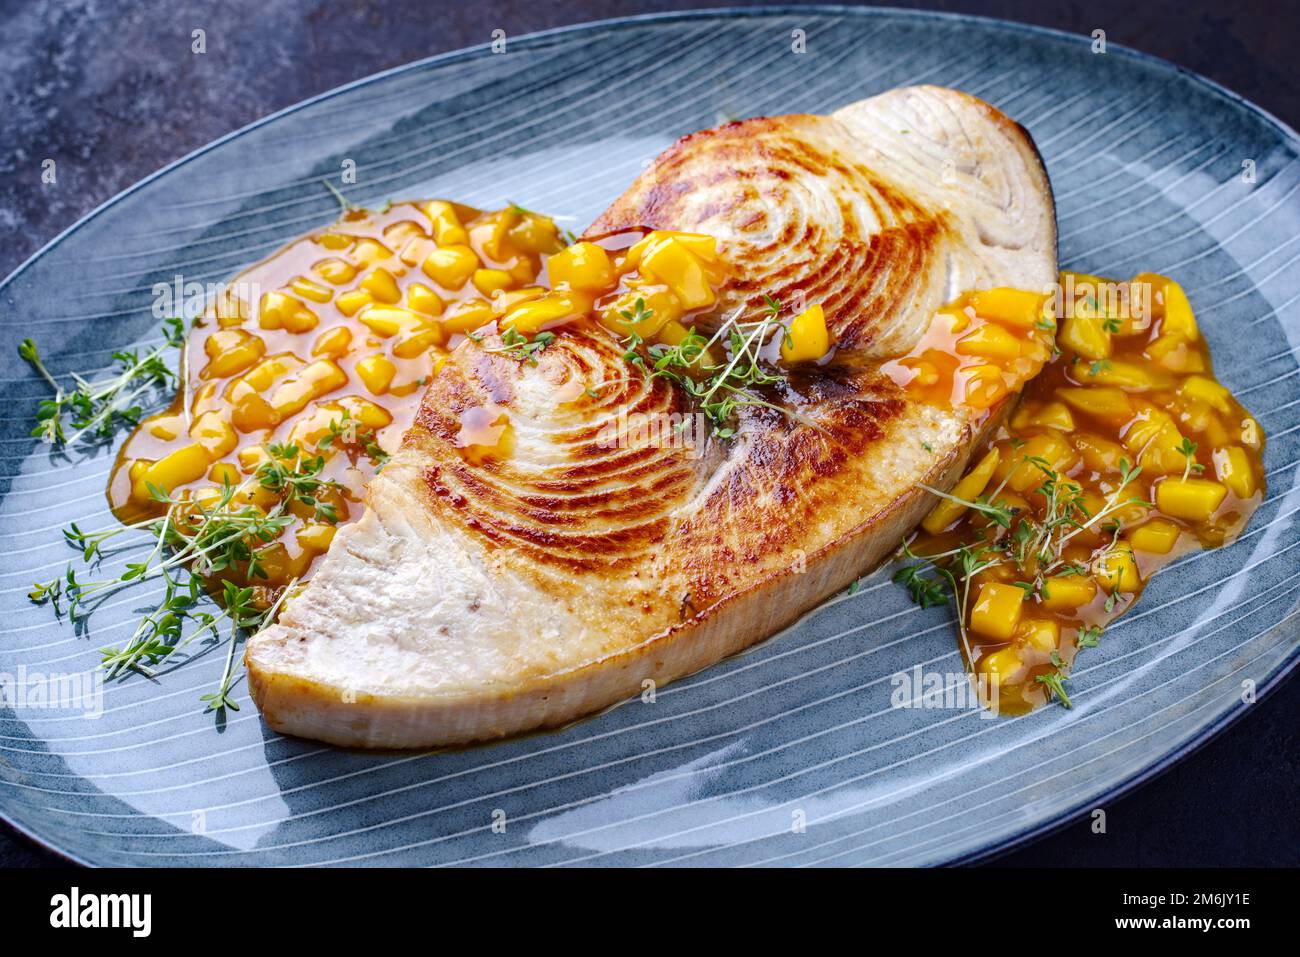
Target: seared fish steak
{"type": "Point", "coordinates": [483, 597]}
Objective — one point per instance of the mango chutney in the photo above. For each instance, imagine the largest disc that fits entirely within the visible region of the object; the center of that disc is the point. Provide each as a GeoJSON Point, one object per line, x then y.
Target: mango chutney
{"type": "Point", "coordinates": [1124, 453]}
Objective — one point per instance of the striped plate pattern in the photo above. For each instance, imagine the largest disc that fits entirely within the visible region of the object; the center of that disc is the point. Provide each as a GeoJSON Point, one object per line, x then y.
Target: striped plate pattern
{"type": "Point", "coordinates": [791, 754]}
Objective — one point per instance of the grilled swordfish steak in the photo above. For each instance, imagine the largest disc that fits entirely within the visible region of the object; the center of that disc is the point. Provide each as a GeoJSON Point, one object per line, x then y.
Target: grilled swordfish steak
{"type": "Point", "coordinates": [482, 598]}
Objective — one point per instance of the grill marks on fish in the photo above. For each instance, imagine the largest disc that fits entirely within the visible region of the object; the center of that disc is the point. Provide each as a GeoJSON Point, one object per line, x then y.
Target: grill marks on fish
{"type": "Point", "coordinates": [578, 489]}
{"type": "Point", "coordinates": [802, 223]}
{"type": "Point", "coordinates": [778, 484]}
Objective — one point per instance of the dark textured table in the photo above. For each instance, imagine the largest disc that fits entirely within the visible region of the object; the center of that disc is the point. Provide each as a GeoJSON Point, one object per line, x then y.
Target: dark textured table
{"type": "Point", "coordinates": [111, 91]}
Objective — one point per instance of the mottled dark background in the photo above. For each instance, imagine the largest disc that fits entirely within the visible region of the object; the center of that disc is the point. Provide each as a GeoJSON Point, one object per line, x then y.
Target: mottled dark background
{"type": "Point", "coordinates": [111, 91]}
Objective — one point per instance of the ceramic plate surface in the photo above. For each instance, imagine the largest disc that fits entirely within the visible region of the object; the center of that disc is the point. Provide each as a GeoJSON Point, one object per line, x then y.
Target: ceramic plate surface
{"type": "Point", "coordinates": [1153, 168]}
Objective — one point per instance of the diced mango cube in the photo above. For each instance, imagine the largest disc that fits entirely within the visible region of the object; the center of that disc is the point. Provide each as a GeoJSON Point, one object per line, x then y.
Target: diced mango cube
{"type": "Point", "coordinates": [215, 434]}
{"type": "Point", "coordinates": [320, 378]}
{"type": "Point", "coordinates": [466, 316]}
{"type": "Point", "coordinates": [1013, 307]}
{"type": "Point", "coordinates": [418, 341]}
{"type": "Point", "coordinates": [423, 299]}
{"type": "Point", "coordinates": [1041, 634]}
{"type": "Point", "coordinates": [969, 488]}
{"type": "Point", "coordinates": [523, 269]}
{"type": "Point", "coordinates": [529, 317]}
{"type": "Point", "coordinates": [1157, 535]}
{"type": "Point", "coordinates": [311, 290]}
{"type": "Point", "coordinates": [1175, 353]}
{"type": "Point", "coordinates": [1178, 313]}
{"type": "Point", "coordinates": [279, 310]}
{"type": "Point", "coordinates": [983, 385]}
{"type": "Point", "coordinates": [807, 338]}
{"type": "Point", "coordinates": [230, 352]}
{"type": "Point", "coordinates": [447, 228]}
{"type": "Point", "coordinates": [1100, 455]}
{"type": "Point", "coordinates": [1192, 499]}
{"type": "Point", "coordinates": [413, 253]}
{"type": "Point", "coordinates": [1023, 469]}
{"type": "Point", "coordinates": [1156, 441]}
{"type": "Point", "coordinates": [187, 464]}
{"type": "Point", "coordinates": [333, 342]}
{"type": "Point", "coordinates": [1108, 404]}
{"type": "Point", "coordinates": [249, 410]}
{"type": "Point", "coordinates": [230, 309]}
{"type": "Point", "coordinates": [377, 373]}
{"type": "Point", "coordinates": [1053, 415]}
{"type": "Point", "coordinates": [491, 281]}
{"type": "Point", "coordinates": [379, 282]}
{"type": "Point", "coordinates": [702, 245]}
{"type": "Point", "coordinates": [450, 266]}
{"type": "Point", "coordinates": [223, 473]}
{"type": "Point", "coordinates": [581, 266]}
{"type": "Point", "coordinates": [1067, 592]}
{"type": "Point", "coordinates": [1216, 435]}
{"type": "Point", "coordinates": [1232, 466]}
{"type": "Point", "coordinates": [316, 536]}
{"type": "Point", "coordinates": [1208, 391]}
{"type": "Point", "coordinates": [1086, 335]}
{"type": "Point", "coordinates": [352, 300]}
{"type": "Point", "coordinates": [535, 234]}
{"type": "Point", "coordinates": [370, 251]}
{"type": "Point", "coordinates": [491, 233]}
{"type": "Point", "coordinates": [332, 240]}
{"type": "Point", "coordinates": [364, 411]}
{"type": "Point", "coordinates": [386, 321]}
{"type": "Point", "coordinates": [1116, 570]}
{"type": "Point", "coordinates": [1131, 376]}
{"type": "Point", "coordinates": [657, 307]}
{"type": "Point", "coordinates": [269, 369]}
{"type": "Point", "coordinates": [1001, 666]}
{"type": "Point", "coordinates": [503, 302]}
{"type": "Point", "coordinates": [990, 341]}
{"type": "Point", "coordinates": [399, 232]}
{"type": "Point", "coordinates": [671, 263]}
{"type": "Point", "coordinates": [997, 610]}
{"type": "Point", "coordinates": [1193, 413]}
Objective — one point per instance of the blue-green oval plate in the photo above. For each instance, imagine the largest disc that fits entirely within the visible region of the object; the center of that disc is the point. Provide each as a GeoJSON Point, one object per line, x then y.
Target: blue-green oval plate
{"type": "Point", "coordinates": [791, 754]}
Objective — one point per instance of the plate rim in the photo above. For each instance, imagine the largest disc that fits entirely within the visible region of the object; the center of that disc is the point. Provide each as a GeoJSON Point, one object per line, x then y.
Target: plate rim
{"type": "Point", "coordinates": [986, 851]}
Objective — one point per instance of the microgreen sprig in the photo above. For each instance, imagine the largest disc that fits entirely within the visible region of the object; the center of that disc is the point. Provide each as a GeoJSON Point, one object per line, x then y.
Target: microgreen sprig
{"type": "Point", "coordinates": [93, 409]}
{"type": "Point", "coordinates": [719, 389]}
{"type": "Point", "coordinates": [344, 433]}
{"type": "Point", "coordinates": [289, 472]}
{"type": "Point", "coordinates": [203, 539]}
{"type": "Point", "coordinates": [1032, 544]}
{"type": "Point", "coordinates": [1188, 452]}
{"type": "Point", "coordinates": [515, 345]}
